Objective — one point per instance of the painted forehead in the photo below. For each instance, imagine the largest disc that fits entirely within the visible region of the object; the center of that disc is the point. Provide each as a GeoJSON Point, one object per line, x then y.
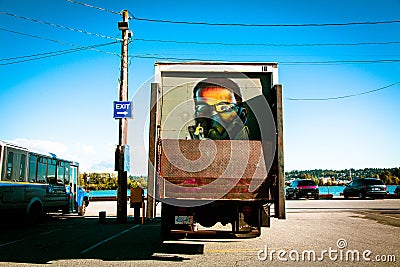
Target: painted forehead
{"type": "Point", "coordinates": [218, 93]}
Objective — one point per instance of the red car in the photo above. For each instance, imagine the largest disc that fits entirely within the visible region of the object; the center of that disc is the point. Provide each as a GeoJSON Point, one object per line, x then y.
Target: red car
{"type": "Point", "coordinates": [302, 188]}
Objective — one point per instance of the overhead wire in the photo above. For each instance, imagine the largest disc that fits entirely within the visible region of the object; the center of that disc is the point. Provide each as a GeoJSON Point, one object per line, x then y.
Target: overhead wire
{"type": "Point", "coordinates": [58, 26]}
{"type": "Point", "coordinates": [49, 54]}
{"type": "Point", "coordinates": [145, 56]}
{"type": "Point", "coordinates": [328, 62]}
{"type": "Point", "coordinates": [267, 25]}
{"type": "Point", "coordinates": [339, 62]}
{"type": "Point", "coordinates": [344, 96]}
{"type": "Point", "coordinates": [266, 44]}
{"type": "Point", "coordinates": [240, 24]}
{"type": "Point", "coordinates": [94, 7]}
{"type": "Point", "coordinates": [56, 41]}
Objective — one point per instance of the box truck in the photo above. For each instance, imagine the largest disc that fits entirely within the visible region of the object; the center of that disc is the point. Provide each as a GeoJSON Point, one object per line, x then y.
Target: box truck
{"type": "Point", "coordinates": [216, 160]}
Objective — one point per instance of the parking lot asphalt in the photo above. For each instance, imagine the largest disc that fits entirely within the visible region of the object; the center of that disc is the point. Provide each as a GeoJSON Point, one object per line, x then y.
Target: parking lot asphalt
{"type": "Point", "coordinates": [310, 225]}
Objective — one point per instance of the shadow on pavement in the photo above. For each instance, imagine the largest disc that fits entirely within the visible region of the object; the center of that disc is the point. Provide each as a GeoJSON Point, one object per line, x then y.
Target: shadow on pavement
{"type": "Point", "coordinates": [73, 237]}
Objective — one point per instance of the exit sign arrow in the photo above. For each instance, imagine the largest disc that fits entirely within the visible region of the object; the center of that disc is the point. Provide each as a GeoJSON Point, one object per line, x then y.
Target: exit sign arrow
{"type": "Point", "coordinates": [123, 109]}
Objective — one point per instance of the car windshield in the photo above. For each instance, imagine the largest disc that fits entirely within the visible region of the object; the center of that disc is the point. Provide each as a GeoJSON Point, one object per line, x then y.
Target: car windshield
{"type": "Point", "coordinates": [306, 183]}
{"type": "Point", "coordinates": [373, 182]}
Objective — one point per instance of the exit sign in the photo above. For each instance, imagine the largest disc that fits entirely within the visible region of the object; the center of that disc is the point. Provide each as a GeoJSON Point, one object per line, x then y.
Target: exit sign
{"type": "Point", "coordinates": [123, 110]}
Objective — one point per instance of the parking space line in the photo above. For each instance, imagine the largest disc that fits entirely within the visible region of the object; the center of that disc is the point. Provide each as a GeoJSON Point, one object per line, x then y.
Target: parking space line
{"type": "Point", "coordinates": [108, 239]}
{"type": "Point", "coordinates": [49, 232]}
{"type": "Point", "coordinates": [9, 243]}
{"type": "Point", "coordinates": [231, 250]}
{"type": "Point", "coordinates": [19, 240]}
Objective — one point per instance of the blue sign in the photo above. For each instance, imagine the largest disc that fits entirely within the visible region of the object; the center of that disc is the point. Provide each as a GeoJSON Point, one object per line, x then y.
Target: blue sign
{"type": "Point", "coordinates": [127, 159]}
{"type": "Point", "coordinates": [123, 109]}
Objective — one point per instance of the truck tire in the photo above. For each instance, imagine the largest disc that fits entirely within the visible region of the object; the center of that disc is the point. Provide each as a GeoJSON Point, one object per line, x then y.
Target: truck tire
{"type": "Point", "coordinates": [165, 222]}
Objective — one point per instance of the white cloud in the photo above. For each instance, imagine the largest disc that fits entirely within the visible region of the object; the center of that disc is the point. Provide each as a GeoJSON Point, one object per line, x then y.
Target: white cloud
{"type": "Point", "coordinates": [43, 146]}
{"type": "Point", "coordinates": [91, 158]}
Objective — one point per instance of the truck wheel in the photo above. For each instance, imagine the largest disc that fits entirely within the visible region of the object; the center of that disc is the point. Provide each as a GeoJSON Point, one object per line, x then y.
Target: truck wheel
{"type": "Point", "coordinates": [165, 222]}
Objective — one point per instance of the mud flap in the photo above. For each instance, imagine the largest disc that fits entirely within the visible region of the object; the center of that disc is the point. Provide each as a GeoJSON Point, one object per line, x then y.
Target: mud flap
{"type": "Point", "coordinates": [265, 216]}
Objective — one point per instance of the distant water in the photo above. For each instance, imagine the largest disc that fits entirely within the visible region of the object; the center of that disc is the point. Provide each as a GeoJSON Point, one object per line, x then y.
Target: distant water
{"type": "Point", "coordinates": [334, 190]}
{"type": "Point", "coordinates": [109, 193]}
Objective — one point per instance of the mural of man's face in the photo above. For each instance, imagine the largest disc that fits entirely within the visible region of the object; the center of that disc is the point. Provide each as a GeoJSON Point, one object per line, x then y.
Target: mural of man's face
{"type": "Point", "coordinates": [217, 103]}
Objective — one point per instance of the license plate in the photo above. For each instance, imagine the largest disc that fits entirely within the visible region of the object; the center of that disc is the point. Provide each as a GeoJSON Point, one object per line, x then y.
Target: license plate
{"type": "Point", "coordinates": [375, 189]}
{"type": "Point", "coordinates": [309, 193]}
{"type": "Point", "coordinates": [183, 219]}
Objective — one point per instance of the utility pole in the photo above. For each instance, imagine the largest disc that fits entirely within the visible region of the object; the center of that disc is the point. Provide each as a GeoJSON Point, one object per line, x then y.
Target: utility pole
{"type": "Point", "coordinates": [123, 124]}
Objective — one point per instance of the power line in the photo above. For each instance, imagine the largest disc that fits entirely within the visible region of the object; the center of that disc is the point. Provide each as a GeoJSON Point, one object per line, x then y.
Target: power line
{"type": "Point", "coordinates": [50, 54]}
{"type": "Point", "coordinates": [342, 97]}
{"type": "Point", "coordinates": [260, 44]}
{"type": "Point", "coordinates": [340, 62]}
{"type": "Point", "coordinates": [328, 62]}
{"type": "Point", "coordinates": [59, 26]}
{"type": "Point", "coordinates": [238, 24]}
{"type": "Point", "coordinates": [56, 41]}
{"type": "Point", "coordinates": [34, 36]}
{"type": "Point", "coordinates": [94, 7]}
{"type": "Point", "coordinates": [267, 25]}
{"type": "Point", "coordinates": [60, 51]}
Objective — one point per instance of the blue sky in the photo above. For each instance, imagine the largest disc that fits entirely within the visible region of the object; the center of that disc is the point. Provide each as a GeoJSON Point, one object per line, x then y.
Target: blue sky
{"type": "Point", "coordinates": [64, 103]}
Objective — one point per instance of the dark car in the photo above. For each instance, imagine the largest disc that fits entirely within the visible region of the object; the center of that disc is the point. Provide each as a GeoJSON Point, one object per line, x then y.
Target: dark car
{"type": "Point", "coordinates": [397, 191]}
{"type": "Point", "coordinates": [366, 187]}
{"type": "Point", "coordinates": [302, 188]}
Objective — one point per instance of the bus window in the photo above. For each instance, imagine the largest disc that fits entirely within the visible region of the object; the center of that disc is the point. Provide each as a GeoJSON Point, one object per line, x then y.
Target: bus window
{"type": "Point", "coordinates": [32, 168]}
{"type": "Point", "coordinates": [22, 168]}
{"type": "Point", "coordinates": [51, 171]}
{"type": "Point", "coordinates": [60, 172]}
{"type": "Point", "coordinates": [67, 174]}
{"type": "Point", "coordinates": [10, 164]}
{"type": "Point", "coordinates": [42, 170]}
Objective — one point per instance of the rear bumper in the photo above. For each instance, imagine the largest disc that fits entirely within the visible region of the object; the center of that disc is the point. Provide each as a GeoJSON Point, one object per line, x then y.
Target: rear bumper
{"type": "Point", "coordinates": [307, 193]}
{"type": "Point", "coordinates": [376, 193]}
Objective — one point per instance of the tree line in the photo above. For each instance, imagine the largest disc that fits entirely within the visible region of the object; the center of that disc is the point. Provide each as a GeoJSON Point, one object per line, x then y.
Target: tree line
{"type": "Point", "coordinates": [108, 181]}
{"type": "Point", "coordinates": [390, 176]}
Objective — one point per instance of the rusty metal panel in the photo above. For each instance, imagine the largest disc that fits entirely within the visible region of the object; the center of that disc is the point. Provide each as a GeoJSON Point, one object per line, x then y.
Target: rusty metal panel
{"type": "Point", "coordinates": [211, 169]}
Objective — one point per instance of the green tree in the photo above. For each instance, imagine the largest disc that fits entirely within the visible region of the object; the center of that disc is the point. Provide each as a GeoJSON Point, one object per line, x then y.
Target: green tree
{"type": "Point", "coordinates": [386, 177]}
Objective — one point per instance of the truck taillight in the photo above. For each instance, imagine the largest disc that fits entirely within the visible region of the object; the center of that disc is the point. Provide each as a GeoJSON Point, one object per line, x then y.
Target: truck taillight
{"type": "Point", "coordinates": [246, 210]}
{"type": "Point", "coordinates": [181, 211]}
